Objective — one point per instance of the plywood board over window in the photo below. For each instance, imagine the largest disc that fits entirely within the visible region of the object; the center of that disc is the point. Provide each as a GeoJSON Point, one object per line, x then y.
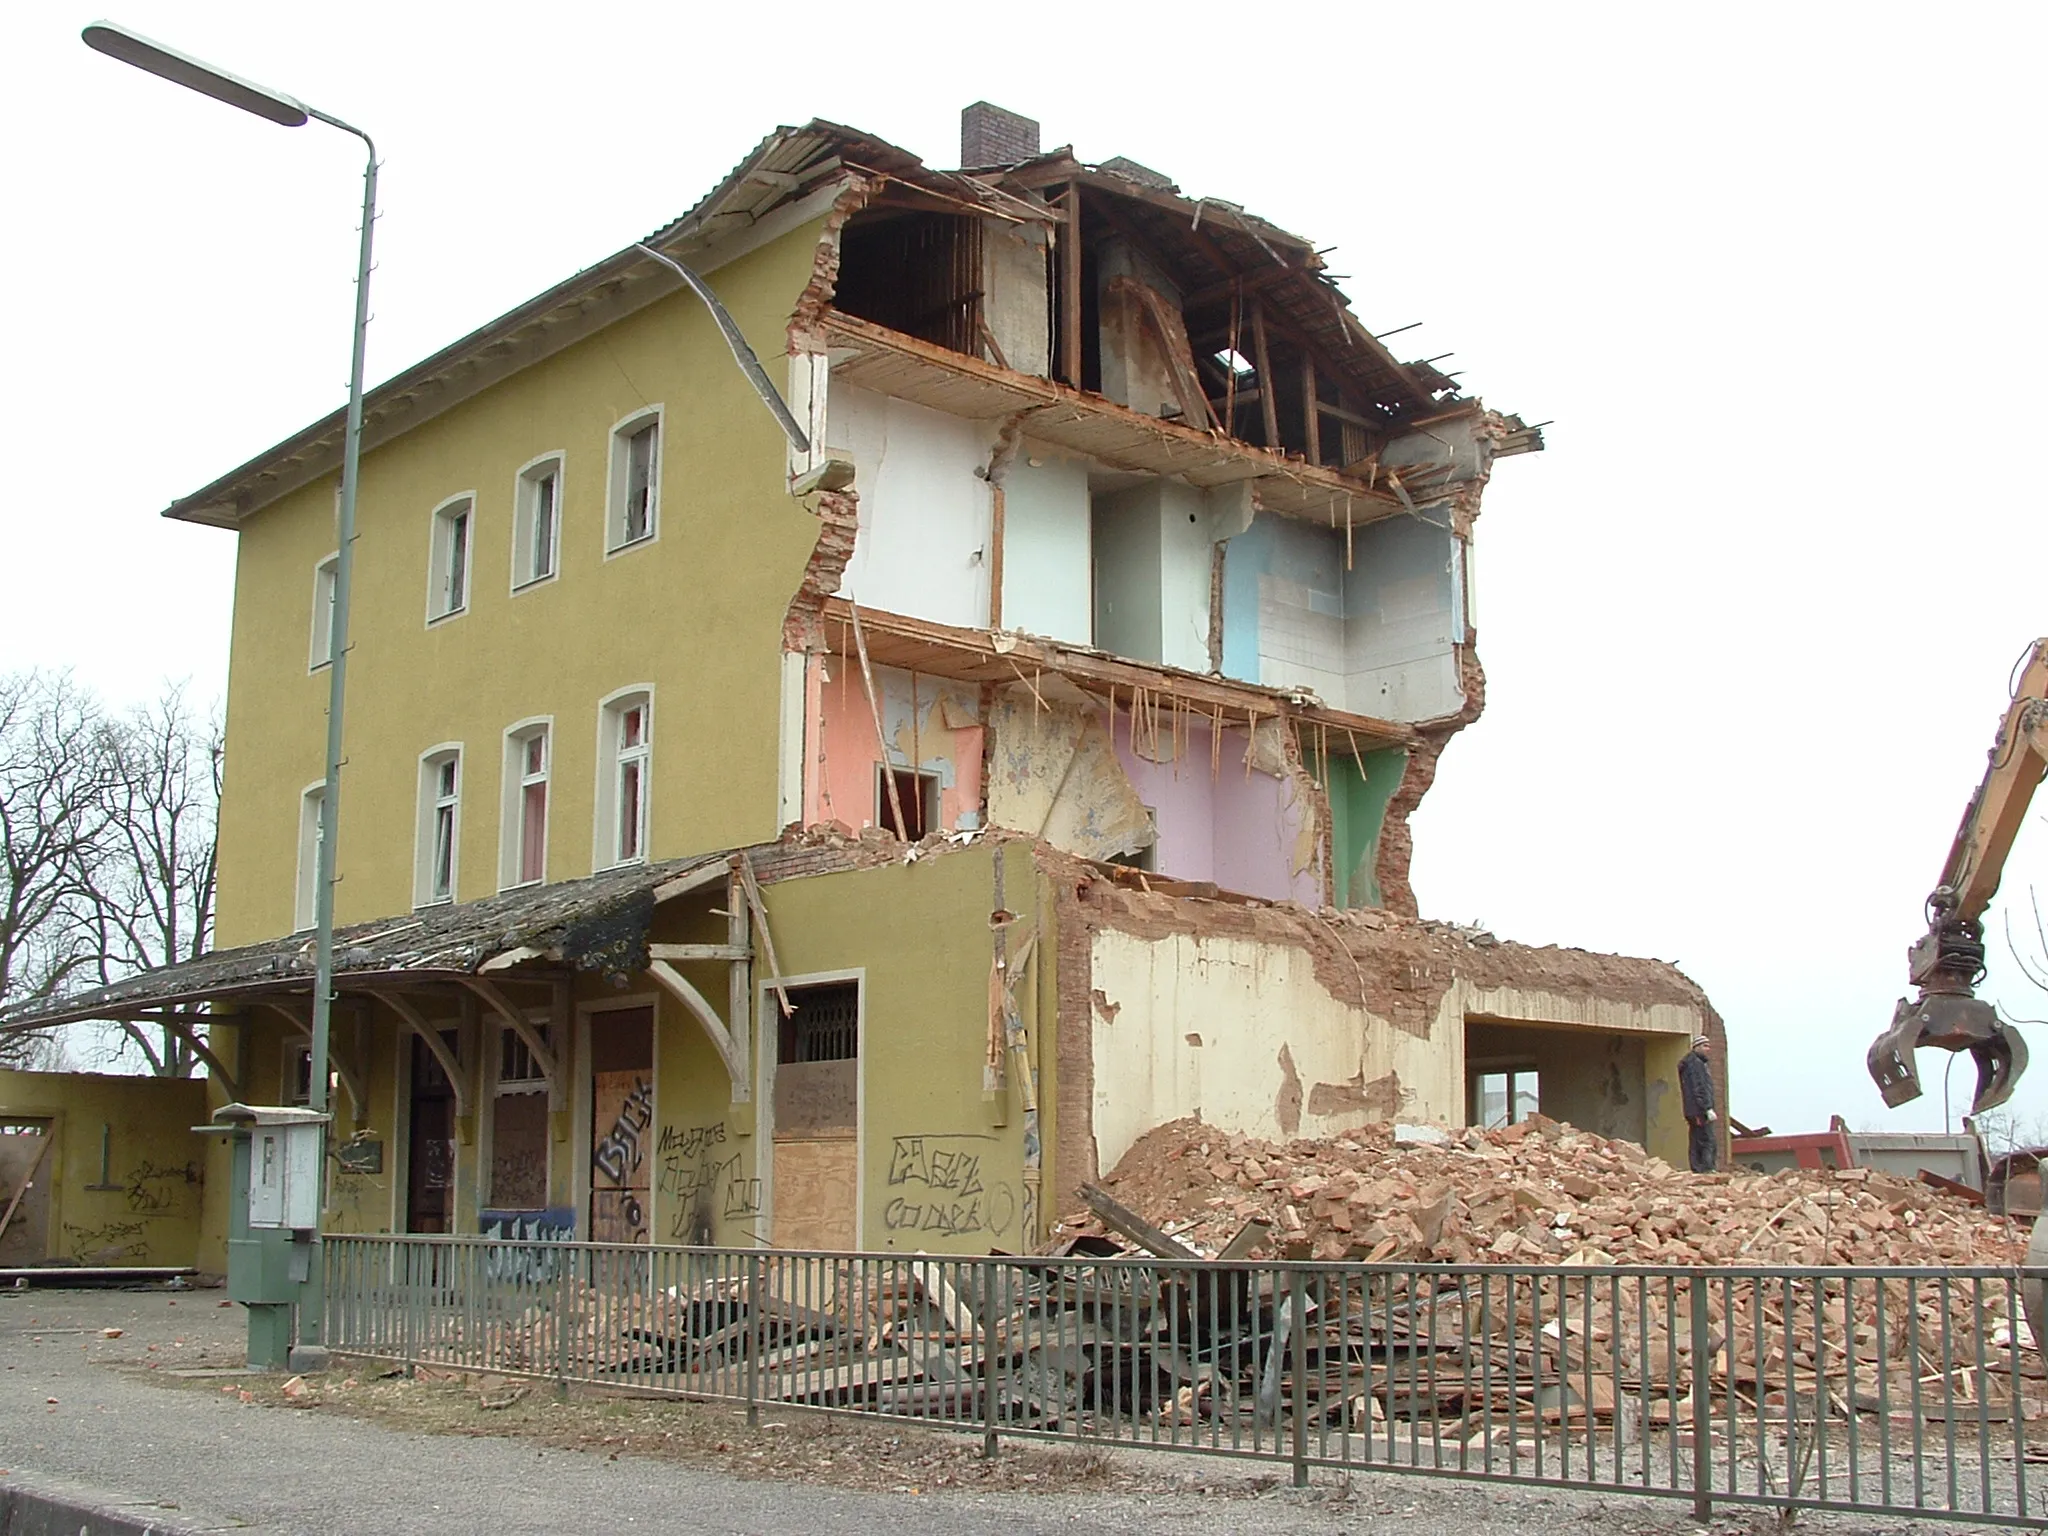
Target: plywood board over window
{"type": "Point", "coordinates": [817, 1118]}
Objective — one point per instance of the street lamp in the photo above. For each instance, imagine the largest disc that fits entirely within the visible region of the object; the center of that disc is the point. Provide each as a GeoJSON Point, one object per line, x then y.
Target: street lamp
{"type": "Point", "coordinates": [276, 107]}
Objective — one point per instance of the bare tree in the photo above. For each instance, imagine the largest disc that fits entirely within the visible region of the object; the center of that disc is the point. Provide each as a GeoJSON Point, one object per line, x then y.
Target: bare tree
{"type": "Point", "coordinates": [150, 895]}
{"type": "Point", "coordinates": [56, 770]}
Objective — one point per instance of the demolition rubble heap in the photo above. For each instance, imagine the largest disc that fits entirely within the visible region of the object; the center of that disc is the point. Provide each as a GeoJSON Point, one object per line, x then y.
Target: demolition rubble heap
{"type": "Point", "coordinates": [1535, 1192]}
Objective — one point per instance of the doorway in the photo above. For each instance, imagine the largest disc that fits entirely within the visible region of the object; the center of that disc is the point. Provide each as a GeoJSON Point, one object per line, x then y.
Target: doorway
{"type": "Point", "coordinates": [621, 1114]}
{"type": "Point", "coordinates": [430, 1143]}
{"type": "Point", "coordinates": [25, 1174]}
{"type": "Point", "coordinates": [817, 1117]}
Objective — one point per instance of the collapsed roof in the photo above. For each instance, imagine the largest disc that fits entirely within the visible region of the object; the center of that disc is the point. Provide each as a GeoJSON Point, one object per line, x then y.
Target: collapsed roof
{"type": "Point", "coordinates": [1223, 256]}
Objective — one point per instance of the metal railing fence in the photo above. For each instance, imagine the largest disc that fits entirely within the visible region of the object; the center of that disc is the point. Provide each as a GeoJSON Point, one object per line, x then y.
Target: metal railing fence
{"type": "Point", "coordinates": [1895, 1391]}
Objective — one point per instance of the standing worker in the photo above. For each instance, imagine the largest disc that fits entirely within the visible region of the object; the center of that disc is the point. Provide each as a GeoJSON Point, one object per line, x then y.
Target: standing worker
{"type": "Point", "coordinates": [1696, 1094]}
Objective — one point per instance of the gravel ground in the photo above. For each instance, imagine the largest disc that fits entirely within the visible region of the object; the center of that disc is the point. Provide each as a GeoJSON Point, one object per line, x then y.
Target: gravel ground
{"type": "Point", "coordinates": [145, 1416]}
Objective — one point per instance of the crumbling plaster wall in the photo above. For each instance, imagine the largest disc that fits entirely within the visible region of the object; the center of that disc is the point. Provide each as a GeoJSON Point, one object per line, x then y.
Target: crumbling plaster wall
{"type": "Point", "coordinates": [931, 722]}
{"type": "Point", "coordinates": [1014, 301]}
{"type": "Point", "coordinates": [1309, 1024]}
{"type": "Point", "coordinates": [1136, 370]}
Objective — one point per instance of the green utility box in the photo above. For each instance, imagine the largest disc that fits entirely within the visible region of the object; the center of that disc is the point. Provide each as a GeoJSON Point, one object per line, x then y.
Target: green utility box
{"type": "Point", "coordinates": [273, 1218]}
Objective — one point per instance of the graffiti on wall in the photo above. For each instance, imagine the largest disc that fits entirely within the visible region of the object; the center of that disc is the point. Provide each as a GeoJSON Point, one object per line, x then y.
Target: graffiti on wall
{"type": "Point", "coordinates": [154, 1189]}
{"type": "Point", "coordinates": [706, 1181]}
{"type": "Point", "coordinates": [111, 1242]}
{"type": "Point", "coordinates": [936, 1185]}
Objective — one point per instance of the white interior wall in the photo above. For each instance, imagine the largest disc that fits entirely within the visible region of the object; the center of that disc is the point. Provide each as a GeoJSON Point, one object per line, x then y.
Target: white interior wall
{"type": "Point", "coordinates": [1186, 553]}
{"type": "Point", "coordinates": [922, 548]}
{"type": "Point", "coordinates": [1046, 546]}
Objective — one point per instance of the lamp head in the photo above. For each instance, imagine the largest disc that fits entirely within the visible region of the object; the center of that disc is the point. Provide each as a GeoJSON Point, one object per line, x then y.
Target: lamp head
{"type": "Point", "coordinates": [194, 74]}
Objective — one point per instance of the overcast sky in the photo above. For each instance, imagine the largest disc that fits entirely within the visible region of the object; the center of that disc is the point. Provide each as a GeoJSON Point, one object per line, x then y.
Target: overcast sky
{"type": "Point", "coordinates": [1770, 270]}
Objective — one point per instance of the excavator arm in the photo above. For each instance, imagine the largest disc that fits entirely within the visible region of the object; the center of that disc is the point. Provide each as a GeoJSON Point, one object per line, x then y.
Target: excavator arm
{"type": "Point", "coordinates": [1947, 961]}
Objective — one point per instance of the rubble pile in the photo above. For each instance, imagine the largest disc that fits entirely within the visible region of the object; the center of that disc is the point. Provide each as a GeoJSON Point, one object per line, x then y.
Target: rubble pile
{"type": "Point", "coordinates": [1536, 1192]}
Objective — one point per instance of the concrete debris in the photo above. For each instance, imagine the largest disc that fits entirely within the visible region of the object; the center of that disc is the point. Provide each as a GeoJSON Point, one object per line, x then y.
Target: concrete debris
{"type": "Point", "coordinates": [1536, 1192]}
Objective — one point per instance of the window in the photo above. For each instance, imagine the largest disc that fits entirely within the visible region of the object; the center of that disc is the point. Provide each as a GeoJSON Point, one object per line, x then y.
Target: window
{"type": "Point", "coordinates": [524, 840]}
{"type": "Point", "coordinates": [448, 569]}
{"type": "Point", "coordinates": [1503, 1097]}
{"type": "Point", "coordinates": [823, 1024]}
{"type": "Point", "coordinates": [321, 650]}
{"type": "Point", "coordinates": [536, 520]}
{"type": "Point", "coordinates": [625, 743]}
{"type": "Point", "coordinates": [635, 491]}
{"type": "Point", "coordinates": [298, 1075]}
{"type": "Point", "coordinates": [309, 855]}
{"type": "Point", "coordinates": [1147, 857]}
{"type": "Point", "coordinates": [916, 793]}
{"type": "Point", "coordinates": [517, 1068]}
{"type": "Point", "coordinates": [440, 828]}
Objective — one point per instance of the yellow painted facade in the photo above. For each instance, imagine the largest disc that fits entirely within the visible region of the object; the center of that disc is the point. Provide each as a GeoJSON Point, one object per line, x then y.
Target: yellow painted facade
{"type": "Point", "coordinates": [125, 1172]}
{"type": "Point", "coordinates": [695, 614]}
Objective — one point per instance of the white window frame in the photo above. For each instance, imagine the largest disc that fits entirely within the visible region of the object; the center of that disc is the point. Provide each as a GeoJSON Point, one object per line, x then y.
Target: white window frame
{"type": "Point", "coordinates": [524, 507]}
{"type": "Point", "coordinates": [611, 710]}
{"type": "Point", "coordinates": [512, 806]}
{"type": "Point", "coordinates": [306, 889]}
{"type": "Point", "coordinates": [623, 431]}
{"type": "Point", "coordinates": [320, 643]}
{"type": "Point", "coordinates": [427, 826]}
{"type": "Point", "coordinates": [440, 557]}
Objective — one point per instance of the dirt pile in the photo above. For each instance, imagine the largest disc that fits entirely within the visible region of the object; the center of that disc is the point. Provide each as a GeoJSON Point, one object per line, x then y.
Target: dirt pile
{"type": "Point", "coordinates": [1532, 1193]}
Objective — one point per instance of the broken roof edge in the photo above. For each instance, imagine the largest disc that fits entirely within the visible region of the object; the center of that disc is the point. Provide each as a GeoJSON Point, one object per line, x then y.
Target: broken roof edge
{"type": "Point", "coordinates": [211, 504]}
{"type": "Point", "coordinates": [1422, 952]}
{"type": "Point", "coordinates": [231, 497]}
{"type": "Point", "coordinates": [575, 922]}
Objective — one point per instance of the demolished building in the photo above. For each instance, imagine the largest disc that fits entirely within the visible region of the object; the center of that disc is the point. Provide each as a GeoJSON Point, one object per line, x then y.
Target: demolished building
{"type": "Point", "coordinates": [1021, 763]}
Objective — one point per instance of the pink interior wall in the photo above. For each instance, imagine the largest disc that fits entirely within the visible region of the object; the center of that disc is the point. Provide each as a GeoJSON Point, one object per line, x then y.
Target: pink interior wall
{"type": "Point", "coordinates": [1237, 831]}
{"type": "Point", "coordinates": [840, 749]}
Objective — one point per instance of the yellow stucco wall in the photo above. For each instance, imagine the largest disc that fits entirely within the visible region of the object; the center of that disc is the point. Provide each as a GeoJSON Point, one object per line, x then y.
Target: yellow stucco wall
{"type": "Point", "coordinates": [697, 614]}
{"type": "Point", "coordinates": [919, 934]}
{"type": "Point", "coordinates": [143, 1205]}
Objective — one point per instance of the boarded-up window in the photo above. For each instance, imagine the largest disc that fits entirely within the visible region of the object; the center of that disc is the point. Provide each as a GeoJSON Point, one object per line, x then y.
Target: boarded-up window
{"type": "Point", "coordinates": [621, 1114]}
{"type": "Point", "coordinates": [519, 1152]}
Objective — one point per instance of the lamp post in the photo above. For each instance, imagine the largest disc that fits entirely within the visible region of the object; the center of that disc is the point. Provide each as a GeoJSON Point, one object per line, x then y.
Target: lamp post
{"type": "Point", "coordinates": [275, 106]}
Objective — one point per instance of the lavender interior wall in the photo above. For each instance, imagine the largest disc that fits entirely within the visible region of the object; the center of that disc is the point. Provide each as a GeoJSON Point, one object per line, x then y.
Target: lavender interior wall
{"type": "Point", "coordinates": [1239, 831]}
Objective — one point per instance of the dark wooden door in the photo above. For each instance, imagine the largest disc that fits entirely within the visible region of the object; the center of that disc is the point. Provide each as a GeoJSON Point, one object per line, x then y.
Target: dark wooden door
{"type": "Point", "coordinates": [430, 1161]}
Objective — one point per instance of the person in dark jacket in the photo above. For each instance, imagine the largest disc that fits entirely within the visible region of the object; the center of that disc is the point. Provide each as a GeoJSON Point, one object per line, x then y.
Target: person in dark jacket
{"type": "Point", "coordinates": [1696, 1095]}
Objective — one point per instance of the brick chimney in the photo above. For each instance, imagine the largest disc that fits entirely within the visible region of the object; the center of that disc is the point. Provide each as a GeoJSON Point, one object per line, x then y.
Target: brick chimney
{"type": "Point", "coordinates": [990, 136]}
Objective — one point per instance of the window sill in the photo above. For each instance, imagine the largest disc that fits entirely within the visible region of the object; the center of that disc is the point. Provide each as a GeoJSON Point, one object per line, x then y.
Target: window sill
{"type": "Point", "coordinates": [522, 885]}
{"type": "Point", "coordinates": [432, 902]}
{"type": "Point", "coordinates": [534, 581]}
{"type": "Point", "coordinates": [637, 859]}
{"type": "Point", "coordinates": [443, 618]}
{"type": "Point", "coordinates": [632, 544]}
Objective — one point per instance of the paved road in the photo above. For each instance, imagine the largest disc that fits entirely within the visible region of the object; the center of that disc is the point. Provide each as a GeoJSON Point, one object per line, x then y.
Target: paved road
{"type": "Point", "coordinates": [223, 1464]}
